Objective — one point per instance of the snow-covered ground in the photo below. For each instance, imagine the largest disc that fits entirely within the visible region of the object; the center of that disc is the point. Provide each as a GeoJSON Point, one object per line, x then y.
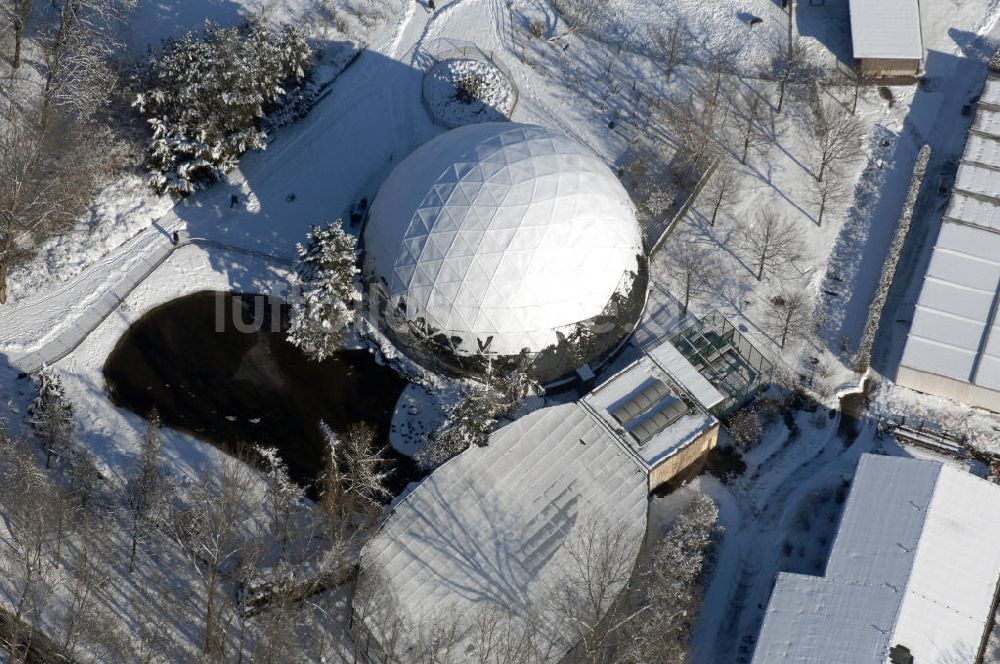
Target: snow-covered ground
{"type": "Point", "coordinates": [593, 84]}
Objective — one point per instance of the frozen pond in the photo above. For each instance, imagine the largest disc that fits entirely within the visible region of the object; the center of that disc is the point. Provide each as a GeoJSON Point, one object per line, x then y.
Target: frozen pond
{"type": "Point", "coordinates": [213, 371]}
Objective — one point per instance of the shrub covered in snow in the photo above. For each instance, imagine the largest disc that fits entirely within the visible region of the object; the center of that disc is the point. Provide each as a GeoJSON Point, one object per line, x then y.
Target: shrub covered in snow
{"type": "Point", "coordinates": [471, 420]}
{"type": "Point", "coordinates": [863, 357]}
{"type": "Point", "coordinates": [744, 426]}
{"type": "Point", "coordinates": [665, 595]}
{"type": "Point", "coordinates": [327, 269]}
{"type": "Point", "coordinates": [205, 95]}
{"type": "Point", "coordinates": [462, 91]}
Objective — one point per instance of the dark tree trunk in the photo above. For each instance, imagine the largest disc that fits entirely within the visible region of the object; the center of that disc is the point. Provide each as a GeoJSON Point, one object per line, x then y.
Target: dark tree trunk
{"type": "Point", "coordinates": [18, 37]}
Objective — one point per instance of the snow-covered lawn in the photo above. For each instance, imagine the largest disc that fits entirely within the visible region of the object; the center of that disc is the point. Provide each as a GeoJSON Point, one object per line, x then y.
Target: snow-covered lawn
{"type": "Point", "coordinates": [597, 85]}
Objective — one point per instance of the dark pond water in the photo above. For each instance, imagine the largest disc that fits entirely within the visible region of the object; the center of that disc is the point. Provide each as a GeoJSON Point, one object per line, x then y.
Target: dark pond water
{"type": "Point", "coordinates": [189, 359]}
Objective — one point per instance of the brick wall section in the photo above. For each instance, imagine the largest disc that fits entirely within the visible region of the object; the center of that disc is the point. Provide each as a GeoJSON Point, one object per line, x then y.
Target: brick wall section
{"type": "Point", "coordinates": [671, 466]}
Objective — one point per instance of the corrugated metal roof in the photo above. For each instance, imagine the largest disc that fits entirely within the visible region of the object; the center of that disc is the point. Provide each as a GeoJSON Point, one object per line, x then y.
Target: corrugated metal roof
{"type": "Point", "coordinates": [951, 326]}
{"type": "Point", "coordinates": [915, 562]}
{"type": "Point", "coordinates": [886, 29]}
{"type": "Point", "coordinates": [954, 330]}
{"type": "Point", "coordinates": [494, 525]}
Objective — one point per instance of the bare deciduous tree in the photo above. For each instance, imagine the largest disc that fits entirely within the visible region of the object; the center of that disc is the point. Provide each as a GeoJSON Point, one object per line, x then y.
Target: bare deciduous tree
{"type": "Point", "coordinates": [713, 91]}
{"type": "Point", "coordinates": [837, 137]}
{"type": "Point", "coordinates": [600, 562]}
{"type": "Point", "coordinates": [211, 531]}
{"type": "Point", "coordinates": [77, 53]}
{"type": "Point", "coordinates": [88, 572]}
{"type": "Point", "coordinates": [45, 184]}
{"type": "Point", "coordinates": [689, 266]}
{"type": "Point", "coordinates": [144, 489]}
{"type": "Point", "coordinates": [789, 315]}
{"type": "Point", "coordinates": [721, 192]}
{"type": "Point", "coordinates": [19, 13]}
{"type": "Point", "coordinates": [789, 66]}
{"type": "Point", "coordinates": [671, 44]}
{"type": "Point", "coordinates": [750, 109]}
{"type": "Point", "coordinates": [858, 80]}
{"type": "Point", "coordinates": [772, 243]}
{"type": "Point", "coordinates": [29, 541]}
{"type": "Point", "coordinates": [828, 193]}
{"type": "Point", "coordinates": [352, 487]}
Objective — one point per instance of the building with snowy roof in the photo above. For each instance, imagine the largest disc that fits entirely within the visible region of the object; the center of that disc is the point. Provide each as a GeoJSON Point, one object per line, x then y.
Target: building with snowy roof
{"type": "Point", "coordinates": [504, 239]}
{"type": "Point", "coordinates": [508, 525]}
{"type": "Point", "coordinates": [886, 37]}
{"type": "Point", "coordinates": [658, 408]}
{"type": "Point", "coordinates": [912, 576]}
{"type": "Point", "coordinates": [501, 526]}
{"type": "Point", "coordinates": [953, 347]}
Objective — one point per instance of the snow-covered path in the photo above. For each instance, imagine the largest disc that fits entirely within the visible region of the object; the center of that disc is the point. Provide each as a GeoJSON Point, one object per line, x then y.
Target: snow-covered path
{"type": "Point", "coordinates": [310, 174]}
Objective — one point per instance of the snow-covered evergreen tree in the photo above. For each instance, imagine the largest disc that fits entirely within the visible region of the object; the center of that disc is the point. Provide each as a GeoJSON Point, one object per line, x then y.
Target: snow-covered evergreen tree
{"type": "Point", "coordinates": [468, 422]}
{"type": "Point", "coordinates": [51, 415]}
{"type": "Point", "coordinates": [205, 96]}
{"type": "Point", "coordinates": [326, 268]}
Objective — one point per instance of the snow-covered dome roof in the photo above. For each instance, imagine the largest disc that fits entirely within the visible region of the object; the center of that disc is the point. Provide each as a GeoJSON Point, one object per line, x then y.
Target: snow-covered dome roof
{"type": "Point", "coordinates": [504, 231]}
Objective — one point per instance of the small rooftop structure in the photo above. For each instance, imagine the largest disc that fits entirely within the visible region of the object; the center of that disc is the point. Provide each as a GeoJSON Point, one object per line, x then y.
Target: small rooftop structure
{"type": "Point", "coordinates": [886, 36]}
{"type": "Point", "coordinates": [657, 406]}
{"type": "Point", "coordinates": [913, 572]}
{"type": "Point", "coordinates": [953, 347]}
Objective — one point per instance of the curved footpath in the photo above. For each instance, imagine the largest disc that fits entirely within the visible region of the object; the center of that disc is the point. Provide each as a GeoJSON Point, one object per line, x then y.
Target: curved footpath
{"type": "Point", "coordinates": [43, 329]}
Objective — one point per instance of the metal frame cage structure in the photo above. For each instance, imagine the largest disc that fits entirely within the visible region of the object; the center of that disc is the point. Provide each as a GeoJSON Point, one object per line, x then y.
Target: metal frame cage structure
{"type": "Point", "coordinates": [724, 356]}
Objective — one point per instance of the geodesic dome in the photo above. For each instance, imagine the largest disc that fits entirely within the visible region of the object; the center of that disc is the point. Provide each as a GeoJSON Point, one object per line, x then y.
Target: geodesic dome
{"type": "Point", "coordinates": [497, 235]}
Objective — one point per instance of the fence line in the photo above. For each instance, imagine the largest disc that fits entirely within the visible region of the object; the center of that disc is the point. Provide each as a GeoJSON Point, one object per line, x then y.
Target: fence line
{"type": "Point", "coordinates": [684, 208]}
{"type": "Point", "coordinates": [426, 57]}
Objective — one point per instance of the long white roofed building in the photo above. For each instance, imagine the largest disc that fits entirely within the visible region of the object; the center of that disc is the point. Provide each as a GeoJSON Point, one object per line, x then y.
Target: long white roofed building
{"type": "Point", "coordinates": [953, 347]}
{"type": "Point", "coordinates": [500, 239]}
{"type": "Point", "coordinates": [911, 579]}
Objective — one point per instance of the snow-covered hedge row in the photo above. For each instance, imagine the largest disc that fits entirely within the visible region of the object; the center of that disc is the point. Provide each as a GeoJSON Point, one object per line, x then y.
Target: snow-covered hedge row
{"type": "Point", "coordinates": [863, 357]}
{"type": "Point", "coordinates": [206, 94]}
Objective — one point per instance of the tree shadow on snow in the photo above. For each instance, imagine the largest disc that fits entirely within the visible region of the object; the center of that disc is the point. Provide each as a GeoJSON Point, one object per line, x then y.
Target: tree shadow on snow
{"type": "Point", "coordinates": [314, 170]}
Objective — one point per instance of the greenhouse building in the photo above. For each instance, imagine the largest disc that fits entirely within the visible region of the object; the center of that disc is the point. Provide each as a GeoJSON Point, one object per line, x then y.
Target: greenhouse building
{"type": "Point", "coordinates": [504, 240]}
